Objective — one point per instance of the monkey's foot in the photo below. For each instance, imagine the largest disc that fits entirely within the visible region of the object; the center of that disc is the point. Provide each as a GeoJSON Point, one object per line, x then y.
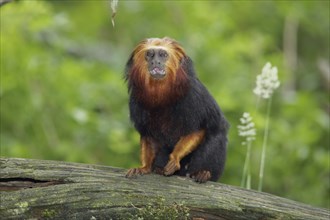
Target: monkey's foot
{"type": "Point", "coordinates": [134, 172]}
{"type": "Point", "coordinates": [201, 176]}
{"type": "Point", "coordinates": [159, 171]}
{"type": "Point", "coordinates": [171, 167]}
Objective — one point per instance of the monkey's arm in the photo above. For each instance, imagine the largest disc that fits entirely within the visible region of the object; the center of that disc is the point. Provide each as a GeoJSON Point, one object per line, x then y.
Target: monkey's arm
{"type": "Point", "coordinates": [148, 148]}
{"type": "Point", "coordinates": [185, 145]}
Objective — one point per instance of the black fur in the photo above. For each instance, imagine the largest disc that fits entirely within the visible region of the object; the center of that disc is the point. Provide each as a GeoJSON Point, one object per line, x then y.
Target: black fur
{"type": "Point", "coordinates": [195, 111]}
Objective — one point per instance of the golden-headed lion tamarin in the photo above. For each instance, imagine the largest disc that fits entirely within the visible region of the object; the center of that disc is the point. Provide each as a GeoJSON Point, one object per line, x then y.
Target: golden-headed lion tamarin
{"type": "Point", "coordinates": [182, 129]}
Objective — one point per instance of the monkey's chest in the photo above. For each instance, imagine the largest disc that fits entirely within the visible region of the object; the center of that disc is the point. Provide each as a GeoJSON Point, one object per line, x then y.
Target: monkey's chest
{"type": "Point", "coordinates": [166, 127]}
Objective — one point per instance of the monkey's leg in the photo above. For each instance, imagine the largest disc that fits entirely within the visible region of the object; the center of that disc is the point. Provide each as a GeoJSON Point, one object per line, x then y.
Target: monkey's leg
{"type": "Point", "coordinates": [147, 157]}
{"type": "Point", "coordinates": [208, 161]}
{"type": "Point", "coordinates": [185, 145]}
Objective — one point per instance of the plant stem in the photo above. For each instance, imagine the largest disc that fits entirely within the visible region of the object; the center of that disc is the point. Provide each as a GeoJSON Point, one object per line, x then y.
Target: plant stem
{"type": "Point", "coordinates": [264, 147]}
{"type": "Point", "coordinates": [243, 181]}
{"type": "Point", "coordinates": [248, 181]}
{"type": "Point", "coordinates": [257, 103]}
{"type": "Point", "coordinates": [246, 178]}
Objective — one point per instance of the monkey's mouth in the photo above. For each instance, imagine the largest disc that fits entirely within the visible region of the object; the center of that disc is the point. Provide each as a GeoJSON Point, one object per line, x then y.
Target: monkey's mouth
{"type": "Point", "coordinates": [157, 72]}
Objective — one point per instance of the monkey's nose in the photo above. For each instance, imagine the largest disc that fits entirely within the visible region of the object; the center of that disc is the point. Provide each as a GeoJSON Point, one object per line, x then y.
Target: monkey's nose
{"type": "Point", "coordinates": [156, 62]}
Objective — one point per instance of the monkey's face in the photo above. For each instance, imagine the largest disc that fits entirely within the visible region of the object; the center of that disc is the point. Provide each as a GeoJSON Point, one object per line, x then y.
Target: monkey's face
{"type": "Point", "coordinates": [155, 72]}
{"type": "Point", "coordinates": [156, 58]}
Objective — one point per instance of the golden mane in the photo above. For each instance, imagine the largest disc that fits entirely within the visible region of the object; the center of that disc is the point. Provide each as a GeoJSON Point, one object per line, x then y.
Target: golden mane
{"type": "Point", "coordinates": [154, 92]}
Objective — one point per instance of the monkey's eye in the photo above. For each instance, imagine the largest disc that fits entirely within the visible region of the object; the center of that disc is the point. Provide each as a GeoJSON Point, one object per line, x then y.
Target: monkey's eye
{"type": "Point", "coordinates": [150, 54]}
{"type": "Point", "coordinates": [163, 53]}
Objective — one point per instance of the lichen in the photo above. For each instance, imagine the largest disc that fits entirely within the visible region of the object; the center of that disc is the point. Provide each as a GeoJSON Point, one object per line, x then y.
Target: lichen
{"type": "Point", "coordinates": [22, 207]}
{"type": "Point", "coordinates": [159, 209]}
{"type": "Point", "coordinates": [48, 213]}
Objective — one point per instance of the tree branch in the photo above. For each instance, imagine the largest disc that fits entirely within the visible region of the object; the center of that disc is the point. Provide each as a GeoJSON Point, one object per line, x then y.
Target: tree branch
{"type": "Point", "coordinates": [59, 190]}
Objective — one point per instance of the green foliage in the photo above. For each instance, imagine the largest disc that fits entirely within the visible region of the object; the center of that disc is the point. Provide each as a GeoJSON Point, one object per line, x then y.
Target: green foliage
{"type": "Point", "coordinates": [63, 95]}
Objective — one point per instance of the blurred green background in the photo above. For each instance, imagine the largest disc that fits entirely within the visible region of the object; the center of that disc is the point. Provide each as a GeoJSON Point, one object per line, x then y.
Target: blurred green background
{"type": "Point", "coordinates": [63, 96]}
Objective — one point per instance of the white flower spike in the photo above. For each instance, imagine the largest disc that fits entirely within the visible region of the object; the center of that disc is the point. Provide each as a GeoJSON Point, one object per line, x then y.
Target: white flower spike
{"type": "Point", "coordinates": [246, 128]}
{"type": "Point", "coordinates": [267, 81]}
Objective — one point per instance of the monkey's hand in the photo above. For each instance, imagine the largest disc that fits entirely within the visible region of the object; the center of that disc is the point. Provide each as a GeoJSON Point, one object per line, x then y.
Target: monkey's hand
{"type": "Point", "coordinates": [185, 145]}
{"type": "Point", "coordinates": [134, 172]}
{"type": "Point", "coordinates": [172, 166]}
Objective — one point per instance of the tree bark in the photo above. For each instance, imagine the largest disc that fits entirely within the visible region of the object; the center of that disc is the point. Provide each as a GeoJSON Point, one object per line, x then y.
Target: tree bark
{"type": "Point", "coordinates": [39, 189]}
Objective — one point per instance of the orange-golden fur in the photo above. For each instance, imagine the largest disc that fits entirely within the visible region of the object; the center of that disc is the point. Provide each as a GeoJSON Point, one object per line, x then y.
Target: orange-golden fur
{"type": "Point", "coordinates": [159, 92]}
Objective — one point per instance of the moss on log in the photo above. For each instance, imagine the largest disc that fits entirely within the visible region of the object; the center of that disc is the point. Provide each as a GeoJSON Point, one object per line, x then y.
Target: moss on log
{"type": "Point", "coordinates": [39, 189]}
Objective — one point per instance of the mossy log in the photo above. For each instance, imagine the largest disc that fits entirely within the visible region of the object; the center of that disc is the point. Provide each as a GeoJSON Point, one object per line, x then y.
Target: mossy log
{"type": "Point", "coordinates": [39, 189]}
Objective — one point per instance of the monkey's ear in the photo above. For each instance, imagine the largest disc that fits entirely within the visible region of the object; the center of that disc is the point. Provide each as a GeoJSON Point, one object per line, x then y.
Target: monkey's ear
{"type": "Point", "coordinates": [187, 66]}
{"type": "Point", "coordinates": [129, 65]}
